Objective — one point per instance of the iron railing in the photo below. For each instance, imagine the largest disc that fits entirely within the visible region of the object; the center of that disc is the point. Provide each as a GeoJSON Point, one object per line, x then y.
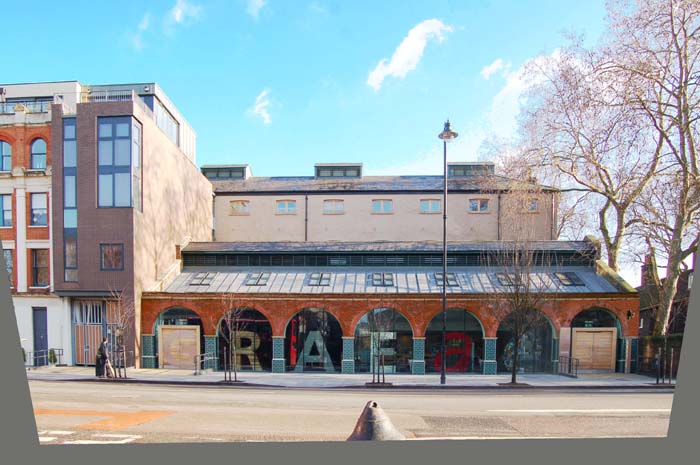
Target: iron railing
{"type": "Point", "coordinates": [568, 366]}
{"type": "Point", "coordinates": [38, 358]}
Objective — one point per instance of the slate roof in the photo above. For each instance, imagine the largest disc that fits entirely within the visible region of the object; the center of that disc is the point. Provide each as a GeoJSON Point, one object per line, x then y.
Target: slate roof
{"type": "Point", "coordinates": [301, 184]}
{"type": "Point", "coordinates": [290, 280]}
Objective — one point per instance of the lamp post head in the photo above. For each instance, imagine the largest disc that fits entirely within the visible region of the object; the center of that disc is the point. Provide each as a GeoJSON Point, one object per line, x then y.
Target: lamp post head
{"type": "Point", "coordinates": [447, 134]}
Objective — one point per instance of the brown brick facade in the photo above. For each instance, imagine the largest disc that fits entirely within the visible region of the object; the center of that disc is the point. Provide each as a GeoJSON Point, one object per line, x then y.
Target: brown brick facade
{"type": "Point", "coordinates": [21, 138]}
{"type": "Point", "coordinates": [349, 309]}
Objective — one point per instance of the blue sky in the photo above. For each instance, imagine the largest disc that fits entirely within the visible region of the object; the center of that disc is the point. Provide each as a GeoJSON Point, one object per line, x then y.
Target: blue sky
{"type": "Point", "coordinates": [284, 84]}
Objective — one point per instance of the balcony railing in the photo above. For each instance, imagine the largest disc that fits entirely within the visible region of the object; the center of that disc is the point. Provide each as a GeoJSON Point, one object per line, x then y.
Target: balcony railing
{"type": "Point", "coordinates": [8, 108]}
{"type": "Point", "coordinates": [108, 96]}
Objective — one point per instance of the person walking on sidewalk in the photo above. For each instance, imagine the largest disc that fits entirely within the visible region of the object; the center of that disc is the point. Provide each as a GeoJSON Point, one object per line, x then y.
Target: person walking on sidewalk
{"type": "Point", "coordinates": [102, 359]}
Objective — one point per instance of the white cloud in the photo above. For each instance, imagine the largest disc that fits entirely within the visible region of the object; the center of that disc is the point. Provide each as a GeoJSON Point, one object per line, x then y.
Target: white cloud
{"type": "Point", "coordinates": [254, 7]}
{"type": "Point", "coordinates": [408, 54]}
{"type": "Point", "coordinates": [141, 28]}
{"type": "Point", "coordinates": [497, 65]}
{"type": "Point", "coordinates": [261, 104]}
{"type": "Point", "coordinates": [183, 11]}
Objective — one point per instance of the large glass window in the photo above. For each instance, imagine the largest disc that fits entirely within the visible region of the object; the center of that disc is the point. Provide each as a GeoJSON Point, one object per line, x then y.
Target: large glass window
{"type": "Point", "coordinates": [40, 267]}
{"type": "Point", "coordinates": [38, 209]}
{"type": "Point", "coordinates": [9, 266]}
{"type": "Point", "coordinates": [383, 335]}
{"type": "Point", "coordinates": [478, 205]}
{"type": "Point", "coordinates": [166, 122]}
{"type": "Point", "coordinates": [70, 210]}
{"type": "Point", "coordinates": [114, 156]}
{"type": "Point", "coordinates": [6, 200]}
{"type": "Point", "coordinates": [534, 349]}
{"type": "Point", "coordinates": [250, 333]}
{"type": "Point", "coordinates": [464, 343]}
{"type": "Point", "coordinates": [6, 154]}
{"type": "Point", "coordinates": [313, 342]}
{"type": "Point", "coordinates": [38, 154]}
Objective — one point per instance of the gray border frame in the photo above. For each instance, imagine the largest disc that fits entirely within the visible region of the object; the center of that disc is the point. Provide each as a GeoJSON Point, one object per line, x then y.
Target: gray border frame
{"type": "Point", "coordinates": [19, 442]}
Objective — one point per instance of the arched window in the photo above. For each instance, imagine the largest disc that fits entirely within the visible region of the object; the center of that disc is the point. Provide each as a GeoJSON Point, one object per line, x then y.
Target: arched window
{"type": "Point", "coordinates": [6, 154]}
{"type": "Point", "coordinates": [38, 154]}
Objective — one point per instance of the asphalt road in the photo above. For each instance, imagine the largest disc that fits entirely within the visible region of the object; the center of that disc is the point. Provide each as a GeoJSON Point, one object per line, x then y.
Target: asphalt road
{"type": "Point", "coordinates": [88, 412]}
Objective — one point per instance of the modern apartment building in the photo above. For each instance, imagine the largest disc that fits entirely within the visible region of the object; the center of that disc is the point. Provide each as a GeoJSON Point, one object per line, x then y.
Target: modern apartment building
{"type": "Point", "coordinates": [122, 194]}
{"type": "Point", "coordinates": [339, 203]}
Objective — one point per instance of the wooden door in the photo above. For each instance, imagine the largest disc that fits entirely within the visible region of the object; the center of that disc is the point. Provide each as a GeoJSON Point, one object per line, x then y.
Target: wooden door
{"type": "Point", "coordinates": [595, 348]}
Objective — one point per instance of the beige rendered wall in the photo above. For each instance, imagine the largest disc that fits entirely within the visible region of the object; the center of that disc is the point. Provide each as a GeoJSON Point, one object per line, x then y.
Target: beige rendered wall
{"type": "Point", "coordinates": [177, 208]}
{"type": "Point", "coordinates": [358, 223]}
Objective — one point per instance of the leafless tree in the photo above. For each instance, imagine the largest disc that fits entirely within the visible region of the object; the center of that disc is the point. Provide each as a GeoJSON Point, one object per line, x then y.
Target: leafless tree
{"type": "Point", "coordinates": [121, 313]}
{"type": "Point", "coordinates": [230, 327]}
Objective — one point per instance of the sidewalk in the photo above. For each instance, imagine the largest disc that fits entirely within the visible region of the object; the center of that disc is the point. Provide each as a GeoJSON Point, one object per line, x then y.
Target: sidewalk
{"type": "Point", "coordinates": [330, 380]}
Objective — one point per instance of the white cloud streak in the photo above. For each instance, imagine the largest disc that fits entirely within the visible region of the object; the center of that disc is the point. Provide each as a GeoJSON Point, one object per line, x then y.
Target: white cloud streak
{"type": "Point", "coordinates": [261, 104]}
{"type": "Point", "coordinates": [183, 11]}
{"type": "Point", "coordinates": [254, 7]}
{"type": "Point", "coordinates": [409, 53]}
{"type": "Point", "coordinates": [497, 65]}
{"type": "Point", "coordinates": [141, 28]}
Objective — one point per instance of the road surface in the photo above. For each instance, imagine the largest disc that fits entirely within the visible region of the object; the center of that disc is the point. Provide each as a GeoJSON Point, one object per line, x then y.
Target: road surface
{"type": "Point", "coordinates": [103, 412]}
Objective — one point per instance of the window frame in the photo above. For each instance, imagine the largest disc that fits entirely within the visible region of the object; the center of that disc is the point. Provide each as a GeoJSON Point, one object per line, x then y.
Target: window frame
{"type": "Point", "coordinates": [334, 211]}
{"type": "Point", "coordinates": [112, 170]}
{"type": "Point", "coordinates": [5, 154]}
{"type": "Point", "coordinates": [430, 211]}
{"type": "Point", "coordinates": [12, 219]}
{"type": "Point", "coordinates": [286, 210]}
{"type": "Point", "coordinates": [319, 278]}
{"type": "Point", "coordinates": [529, 203]}
{"type": "Point", "coordinates": [36, 270]}
{"type": "Point", "coordinates": [481, 201]}
{"type": "Point", "coordinates": [103, 247]}
{"type": "Point", "coordinates": [203, 278]}
{"type": "Point", "coordinates": [381, 279]}
{"type": "Point", "coordinates": [257, 278]}
{"type": "Point", "coordinates": [568, 279]}
{"type": "Point", "coordinates": [33, 154]}
{"type": "Point", "coordinates": [383, 202]}
{"type": "Point", "coordinates": [233, 212]}
{"type": "Point", "coordinates": [32, 223]}
{"type": "Point", "coordinates": [452, 280]}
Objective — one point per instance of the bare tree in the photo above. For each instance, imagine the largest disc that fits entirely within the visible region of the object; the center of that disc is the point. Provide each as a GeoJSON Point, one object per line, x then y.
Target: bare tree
{"type": "Point", "coordinates": [230, 327]}
{"type": "Point", "coordinates": [657, 52]}
{"type": "Point", "coordinates": [578, 123]}
{"type": "Point", "coordinates": [121, 313]}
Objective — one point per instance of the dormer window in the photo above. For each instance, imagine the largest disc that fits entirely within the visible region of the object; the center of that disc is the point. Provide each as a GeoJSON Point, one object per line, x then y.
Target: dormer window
{"type": "Point", "coordinates": [339, 170]}
{"type": "Point", "coordinates": [467, 170]}
{"type": "Point", "coordinates": [224, 172]}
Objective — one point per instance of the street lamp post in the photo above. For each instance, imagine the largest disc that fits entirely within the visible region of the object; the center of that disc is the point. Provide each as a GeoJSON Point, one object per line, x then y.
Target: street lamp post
{"type": "Point", "coordinates": [446, 135]}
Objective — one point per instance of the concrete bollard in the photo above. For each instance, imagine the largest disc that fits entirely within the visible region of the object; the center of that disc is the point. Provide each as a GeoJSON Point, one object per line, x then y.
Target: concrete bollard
{"type": "Point", "coordinates": [375, 425]}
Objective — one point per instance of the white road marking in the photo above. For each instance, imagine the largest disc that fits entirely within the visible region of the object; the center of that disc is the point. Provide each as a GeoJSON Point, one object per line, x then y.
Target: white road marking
{"type": "Point", "coordinates": [46, 439]}
{"type": "Point", "coordinates": [118, 436]}
{"type": "Point", "coordinates": [463, 438]}
{"type": "Point", "coordinates": [610, 410]}
{"type": "Point", "coordinates": [90, 441]}
{"type": "Point", "coordinates": [61, 433]}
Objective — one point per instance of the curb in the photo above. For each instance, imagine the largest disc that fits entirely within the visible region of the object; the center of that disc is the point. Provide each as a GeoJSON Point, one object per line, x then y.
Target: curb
{"type": "Point", "coordinates": [241, 384]}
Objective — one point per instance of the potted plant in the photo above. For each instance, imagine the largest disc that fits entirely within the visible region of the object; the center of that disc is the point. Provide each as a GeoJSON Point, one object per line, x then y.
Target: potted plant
{"type": "Point", "coordinates": [52, 357]}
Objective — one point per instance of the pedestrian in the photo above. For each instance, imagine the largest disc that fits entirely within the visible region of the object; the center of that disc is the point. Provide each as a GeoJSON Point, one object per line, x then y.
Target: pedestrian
{"type": "Point", "coordinates": [102, 358]}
